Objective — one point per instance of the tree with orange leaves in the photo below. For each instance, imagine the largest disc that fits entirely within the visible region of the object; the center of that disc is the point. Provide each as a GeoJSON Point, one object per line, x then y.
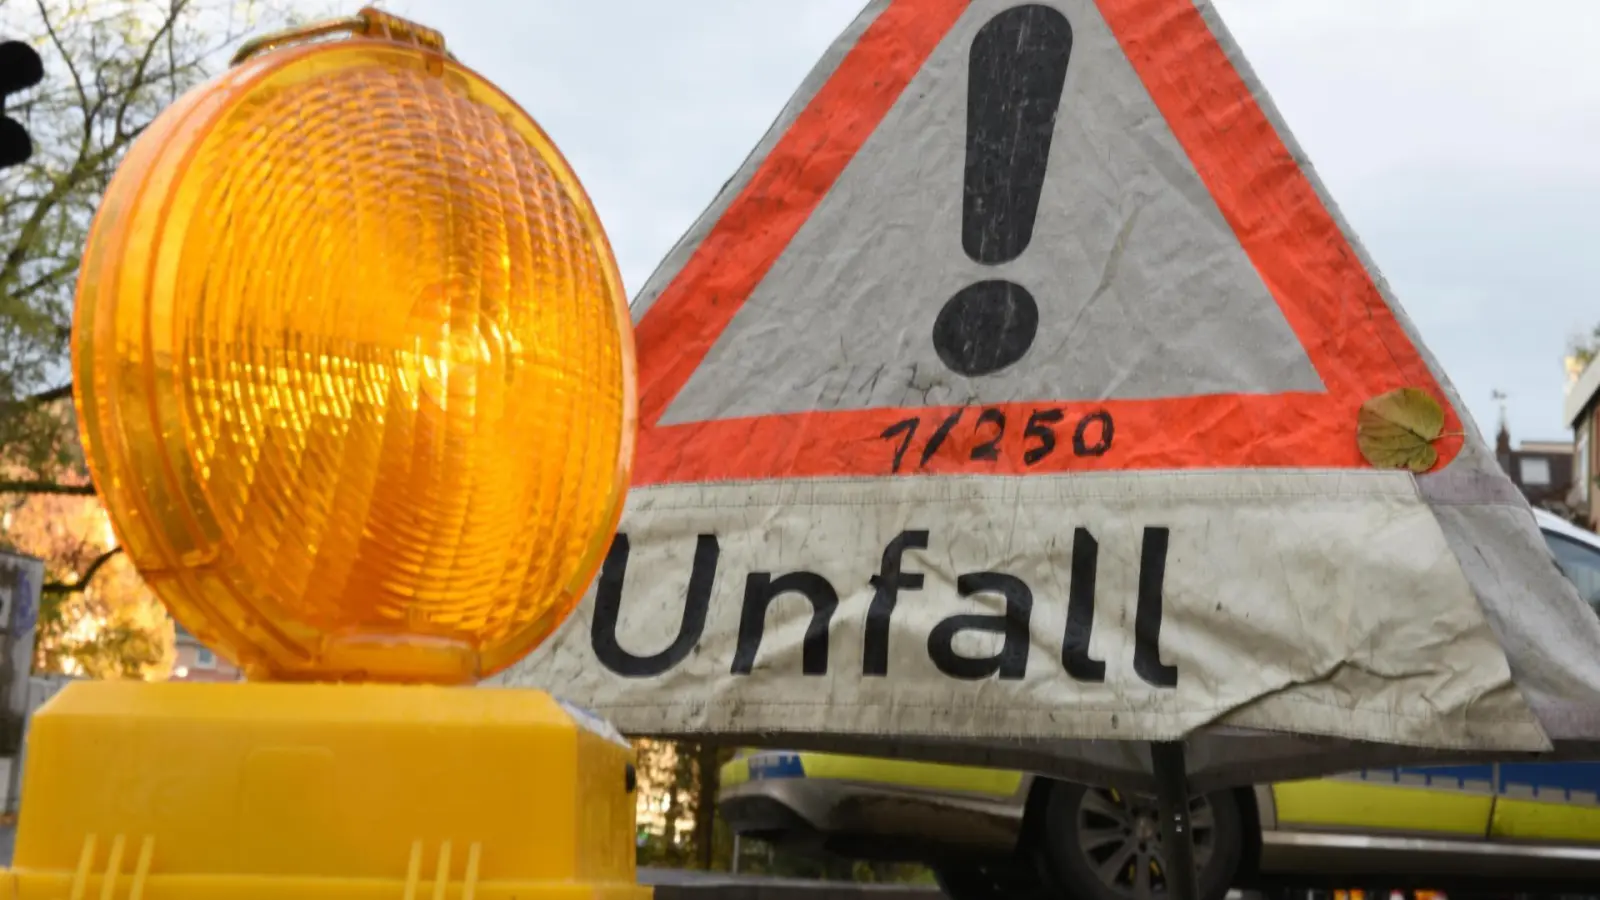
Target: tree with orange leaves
{"type": "Point", "coordinates": [96, 615]}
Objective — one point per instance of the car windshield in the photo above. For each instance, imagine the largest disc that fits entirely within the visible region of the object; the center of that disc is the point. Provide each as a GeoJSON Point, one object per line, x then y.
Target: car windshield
{"type": "Point", "coordinates": [1580, 563]}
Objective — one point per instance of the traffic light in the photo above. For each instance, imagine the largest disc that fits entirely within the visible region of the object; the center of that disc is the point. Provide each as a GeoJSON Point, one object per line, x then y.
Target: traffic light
{"type": "Point", "coordinates": [20, 69]}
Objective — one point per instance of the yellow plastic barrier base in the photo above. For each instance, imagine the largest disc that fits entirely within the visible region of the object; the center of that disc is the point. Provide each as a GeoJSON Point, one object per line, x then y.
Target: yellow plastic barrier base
{"type": "Point", "coordinates": [321, 792]}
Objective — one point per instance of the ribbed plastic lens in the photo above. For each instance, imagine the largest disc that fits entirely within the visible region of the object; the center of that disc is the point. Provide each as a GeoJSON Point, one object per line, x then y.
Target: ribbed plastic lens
{"type": "Point", "coordinates": [354, 368]}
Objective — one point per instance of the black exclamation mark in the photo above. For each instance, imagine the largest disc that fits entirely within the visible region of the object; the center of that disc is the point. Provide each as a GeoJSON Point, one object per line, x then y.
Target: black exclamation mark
{"type": "Point", "coordinates": [1018, 68]}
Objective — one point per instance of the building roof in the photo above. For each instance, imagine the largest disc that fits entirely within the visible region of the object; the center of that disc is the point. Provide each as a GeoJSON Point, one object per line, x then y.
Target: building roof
{"type": "Point", "coordinates": [1550, 447]}
{"type": "Point", "coordinates": [1581, 393]}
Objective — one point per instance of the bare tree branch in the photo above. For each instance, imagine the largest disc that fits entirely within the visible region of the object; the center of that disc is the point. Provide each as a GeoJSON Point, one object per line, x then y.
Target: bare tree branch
{"type": "Point", "coordinates": [48, 279]}
{"type": "Point", "coordinates": [137, 81]}
{"type": "Point", "coordinates": [52, 395]}
{"type": "Point", "coordinates": [87, 163]}
{"type": "Point", "coordinates": [57, 588]}
{"type": "Point", "coordinates": [66, 55]}
{"type": "Point", "coordinates": [46, 487]}
{"type": "Point", "coordinates": [43, 398]}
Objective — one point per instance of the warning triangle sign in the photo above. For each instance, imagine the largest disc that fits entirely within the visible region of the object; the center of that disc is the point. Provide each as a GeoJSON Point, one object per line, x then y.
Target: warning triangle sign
{"type": "Point", "coordinates": [1006, 402]}
{"type": "Point", "coordinates": [1054, 237]}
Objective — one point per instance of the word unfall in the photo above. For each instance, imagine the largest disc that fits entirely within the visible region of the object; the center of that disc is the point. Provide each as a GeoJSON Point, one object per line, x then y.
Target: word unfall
{"type": "Point", "coordinates": [762, 589]}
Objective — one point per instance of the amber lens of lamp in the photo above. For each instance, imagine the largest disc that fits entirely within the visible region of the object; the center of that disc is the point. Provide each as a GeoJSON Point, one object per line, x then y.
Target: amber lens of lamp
{"type": "Point", "coordinates": [354, 370]}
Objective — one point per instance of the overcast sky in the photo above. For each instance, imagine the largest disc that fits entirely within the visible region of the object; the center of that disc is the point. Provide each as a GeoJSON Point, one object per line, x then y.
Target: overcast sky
{"type": "Point", "coordinates": [1458, 136]}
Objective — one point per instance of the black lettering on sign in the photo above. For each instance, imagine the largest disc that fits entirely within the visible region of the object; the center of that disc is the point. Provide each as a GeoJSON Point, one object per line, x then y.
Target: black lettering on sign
{"type": "Point", "coordinates": [939, 435]}
{"type": "Point", "coordinates": [991, 448]}
{"type": "Point", "coordinates": [760, 589]}
{"type": "Point", "coordinates": [908, 428]}
{"type": "Point", "coordinates": [1039, 429]}
{"type": "Point", "coordinates": [1147, 615]}
{"type": "Point", "coordinates": [888, 584]}
{"type": "Point", "coordinates": [1090, 437]}
{"type": "Point", "coordinates": [1016, 71]}
{"type": "Point", "coordinates": [1080, 610]}
{"type": "Point", "coordinates": [1011, 663]}
{"type": "Point", "coordinates": [608, 608]}
{"type": "Point", "coordinates": [1102, 443]}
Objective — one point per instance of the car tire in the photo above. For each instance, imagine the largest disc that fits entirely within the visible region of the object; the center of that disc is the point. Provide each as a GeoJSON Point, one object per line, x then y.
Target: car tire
{"type": "Point", "coordinates": [989, 881]}
{"type": "Point", "coordinates": [1104, 844]}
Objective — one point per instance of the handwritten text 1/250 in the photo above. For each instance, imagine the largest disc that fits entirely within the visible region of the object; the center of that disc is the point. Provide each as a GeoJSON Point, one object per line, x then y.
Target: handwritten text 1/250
{"type": "Point", "coordinates": [1091, 436]}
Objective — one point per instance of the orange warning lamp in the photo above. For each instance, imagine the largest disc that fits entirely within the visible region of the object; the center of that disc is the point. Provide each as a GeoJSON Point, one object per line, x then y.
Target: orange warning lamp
{"type": "Point", "coordinates": [354, 368]}
{"type": "Point", "coordinates": [355, 379]}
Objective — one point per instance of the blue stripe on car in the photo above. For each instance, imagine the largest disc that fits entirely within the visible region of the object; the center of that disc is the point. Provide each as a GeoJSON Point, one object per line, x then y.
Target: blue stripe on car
{"type": "Point", "coordinates": [776, 765]}
{"type": "Point", "coordinates": [1568, 782]}
{"type": "Point", "coordinates": [1563, 781]}
{"type": "Point", "coordinates": [1458, 777]}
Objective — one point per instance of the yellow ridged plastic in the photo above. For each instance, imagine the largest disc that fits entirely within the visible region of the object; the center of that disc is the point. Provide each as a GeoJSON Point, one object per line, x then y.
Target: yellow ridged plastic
{"type": "Point", "coordinates": [137, 791]}
{"type": "Point", "coordinates": [354, 375]}
{"type": "Point", "coordinates": [354, 366]}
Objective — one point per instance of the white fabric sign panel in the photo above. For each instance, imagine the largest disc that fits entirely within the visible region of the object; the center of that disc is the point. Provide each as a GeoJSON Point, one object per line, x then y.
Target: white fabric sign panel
{"type": "Point", "coordinates": [1104, 607]}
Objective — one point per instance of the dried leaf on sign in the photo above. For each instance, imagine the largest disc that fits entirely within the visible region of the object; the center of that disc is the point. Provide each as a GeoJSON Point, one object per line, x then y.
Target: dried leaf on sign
{"type": "Point", "coordinates": [1396, 430]}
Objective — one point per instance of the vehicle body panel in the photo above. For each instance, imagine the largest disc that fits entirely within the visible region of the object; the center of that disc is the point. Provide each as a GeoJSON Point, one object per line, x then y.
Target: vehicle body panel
{"type": "Point", "coordinates": [882, 808]}
{"type": "Point", "coordinates": [1454, 800]}
{"type": "Point", "coordinates": [1548, 802]}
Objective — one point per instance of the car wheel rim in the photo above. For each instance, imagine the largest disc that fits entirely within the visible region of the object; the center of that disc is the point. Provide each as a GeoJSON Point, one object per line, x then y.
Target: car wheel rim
{"type": "Point", "coordinates": [1119, 836]}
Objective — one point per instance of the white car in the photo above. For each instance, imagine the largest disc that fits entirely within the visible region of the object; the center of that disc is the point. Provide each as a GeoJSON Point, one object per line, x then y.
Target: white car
{"type": "Point", "coordinates": [1577, 552]}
